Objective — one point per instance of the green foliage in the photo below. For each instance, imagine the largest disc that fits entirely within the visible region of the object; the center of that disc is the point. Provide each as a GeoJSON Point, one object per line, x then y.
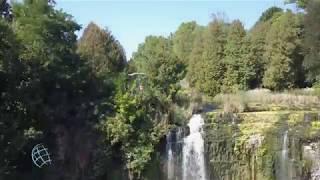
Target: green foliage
{"type": "Point", "coordinates": [240, 70]}
{"type": "Point", "coordinates": [8, 47]}
{"type": "Point", "coordinates": [269, 14]}
{"type": "Point", "coordinates": [193, 68]}
{"type": "Point", "coordinates": [102, 51]}
{"type": "Point", "coordinates": [207, 59]}
{"type": "Point", "coordinates": [183, 40]}
{"type": "Point", "coordinates": [257, 40]}
{"type": "Point", "coordinates": [47, 94]}
{"type": "Point", "coordinates": [315, 129]}
{"type": "Point", "coordinates": [312, 41]}
{"type": "Point", "coordinates": [142, 103]}
{"type": "Point", "coordinates": [48, 35]}
{"type": "Point", "coordinates": [282, 53]}
{"type": "Point", "coordinates": [156, 59]}
{"type": "Point", "coordinates": [137, 128]}
{"type": "Point", "coordinates": [12, 110]}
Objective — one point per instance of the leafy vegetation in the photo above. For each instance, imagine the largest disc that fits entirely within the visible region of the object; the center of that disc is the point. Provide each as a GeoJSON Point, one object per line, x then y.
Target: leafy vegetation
{"type": "Point", "coordinates": [103, 53]}
{"type": "Point", "coordinates": [312, 40]}
{"type": "Point", "coordinates": [282, 52]}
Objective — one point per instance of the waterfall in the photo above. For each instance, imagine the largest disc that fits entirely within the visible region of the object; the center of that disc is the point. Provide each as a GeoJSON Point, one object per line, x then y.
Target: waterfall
{"type": "Point", "coordinates": [193, 162]}
{"type": "Point", "coordinates": [174, 152]}
{"type": "Point", "coordinates": [170, 158]}
{"type": "Point", "coordinates": [284, 158]}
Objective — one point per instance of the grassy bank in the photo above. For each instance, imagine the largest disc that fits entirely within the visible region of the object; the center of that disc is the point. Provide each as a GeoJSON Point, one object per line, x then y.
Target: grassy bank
{"type": "Point", "coordinates": [265, 100]}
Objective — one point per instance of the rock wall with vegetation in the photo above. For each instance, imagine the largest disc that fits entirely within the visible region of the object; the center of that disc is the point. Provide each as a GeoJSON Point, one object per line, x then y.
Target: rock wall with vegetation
{"type": "Point", "coordinates": [250, 145]}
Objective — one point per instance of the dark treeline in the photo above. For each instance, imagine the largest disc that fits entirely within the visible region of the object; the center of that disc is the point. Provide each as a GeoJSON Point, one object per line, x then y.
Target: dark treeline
{"type": "Point", "coordinates": [75, 95]}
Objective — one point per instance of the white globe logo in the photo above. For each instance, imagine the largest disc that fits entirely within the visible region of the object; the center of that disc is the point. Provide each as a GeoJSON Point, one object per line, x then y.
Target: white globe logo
{"type": "Point", "coordinates": [40, 156]}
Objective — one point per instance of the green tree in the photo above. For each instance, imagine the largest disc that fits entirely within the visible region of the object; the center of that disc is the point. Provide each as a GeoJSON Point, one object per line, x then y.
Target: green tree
{"type": "Point", "coordinates": [194, 67]}
{"type": "Point", "coordinates": [183, 40]}
{"type": "Point", "coordinates": [48, 35]}
{"type": "Point", "coordinates": [12, 111]}
{"type": "Point", "coordinates": [207, 59]}
{"type": "Point", "coordinates": [282, 53]}
{"type": "Point", "coordinates": [137, 126]}
{"type": "Point", "coordinates": [239, 68]}
{"type": "Point", "coordinates": [312, 41]}
{"type": "Point", "coordinates": [269, 14]}
{"type": "Point", "coordinates": [257, 39]}
{"type": "Point", "coordinates": [156, 59]}
{"type": "Point", "coordinates": [58, 95]}
{"type": "Point", "coordinates": [102, 51]}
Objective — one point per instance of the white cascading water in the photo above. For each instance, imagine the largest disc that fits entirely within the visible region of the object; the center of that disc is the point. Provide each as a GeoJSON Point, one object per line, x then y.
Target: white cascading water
{"type": "Point", "coordinates": [284, 158]}
{"type": "Point", "coordinates": [174, 152]}
{"type": "Point", "coordinates": [170, 161]}
{"type": "Point", "coordinates": [193, 162]}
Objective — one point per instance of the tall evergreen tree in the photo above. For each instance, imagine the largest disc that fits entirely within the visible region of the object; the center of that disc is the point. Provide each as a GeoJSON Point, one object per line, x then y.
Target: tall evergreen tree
{"type": "Point", "coordinates": [269, 14]}
{"type": "Point", "coordinates": [312, 41]}
{"type": "Point", "coordinates": [257, 40]}
{"type": "Point", "coordinates": [102, 51]}
{"type": "Point", "coordinates": [282, 53]}
{"type": "Point", "coordinates": [194, 68]}
{"type": "Point", "coordinates": [209, 68]}
{"type": "Point", "coordinates": [239, 70]}
{"type": "Point", "coordinates": [183, 40]}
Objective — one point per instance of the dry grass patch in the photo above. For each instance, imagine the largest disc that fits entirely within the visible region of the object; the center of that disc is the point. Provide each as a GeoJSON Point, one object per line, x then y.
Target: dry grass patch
{"type": "Point", "coordinates": [264, 100]}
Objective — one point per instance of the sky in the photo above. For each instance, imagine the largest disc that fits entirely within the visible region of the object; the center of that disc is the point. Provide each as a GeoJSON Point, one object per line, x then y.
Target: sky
{"type": "Point", "coordinates": [131, 21]}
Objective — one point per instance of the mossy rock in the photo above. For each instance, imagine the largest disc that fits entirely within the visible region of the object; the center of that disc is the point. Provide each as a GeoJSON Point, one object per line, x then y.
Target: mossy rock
{"type": "Point", "coordinates": [235, 131]}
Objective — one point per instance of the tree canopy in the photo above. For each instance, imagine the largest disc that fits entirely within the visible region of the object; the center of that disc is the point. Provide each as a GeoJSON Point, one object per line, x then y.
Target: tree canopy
{"type": "Point", "coordinates": [312, 41]}
{"type": "Point", "coordinates": [102, 51]}
{"type": "Point", "coordinates": [156, 59]}
{"type": "Point", "coordinates": [183, 40]}
{"type": "Point", "coordinates": [282, 53]}
{"type": "Point", "coordinates": [269, 13]}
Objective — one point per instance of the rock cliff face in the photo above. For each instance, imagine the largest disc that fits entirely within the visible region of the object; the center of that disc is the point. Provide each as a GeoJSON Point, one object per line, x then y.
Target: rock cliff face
{"type": "Point", "coordinates": [262, 146]}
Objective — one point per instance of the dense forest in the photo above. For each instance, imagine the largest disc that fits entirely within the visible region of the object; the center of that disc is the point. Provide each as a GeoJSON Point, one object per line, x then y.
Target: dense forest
{"type": "Point", "coordinates": [101, 114]}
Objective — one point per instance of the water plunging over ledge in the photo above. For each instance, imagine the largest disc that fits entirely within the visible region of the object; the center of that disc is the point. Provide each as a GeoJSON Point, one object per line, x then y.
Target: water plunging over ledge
{"type": "Point", "coordinates": [185, 151]}
{"type": "Point", "coordinates": [284, 158]}
{"type": "Point", "coordinates": [193, 163]}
